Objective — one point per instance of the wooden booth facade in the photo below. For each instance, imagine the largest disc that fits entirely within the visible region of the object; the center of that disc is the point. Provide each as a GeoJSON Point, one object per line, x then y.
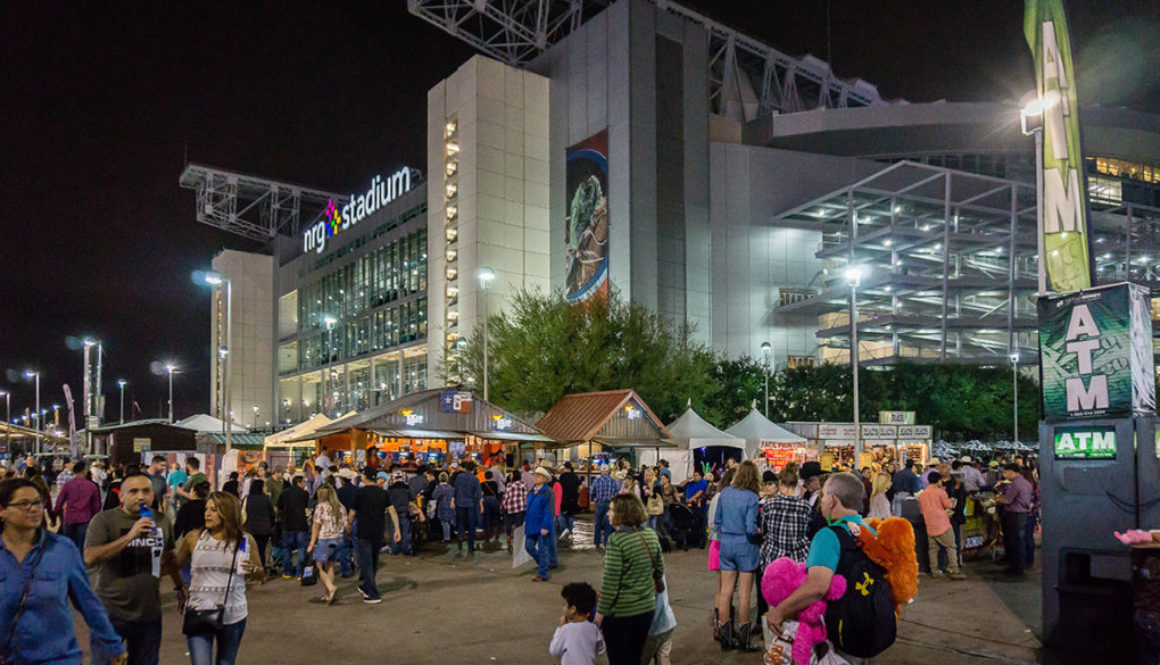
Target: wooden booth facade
{"type": "Point", "coordinates": [598, 427]}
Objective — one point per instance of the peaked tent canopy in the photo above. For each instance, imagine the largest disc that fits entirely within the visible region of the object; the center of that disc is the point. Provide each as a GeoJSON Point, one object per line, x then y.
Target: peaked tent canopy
{"type": "Point", "coordinates": [282, 439]}
{"type": "Point", "coordinates": [615, 418]}
{"type": "Point", "coordinates": [203, 422]}
{"type": "Point", "coordinates": [690, 431]}
{"type": "Point", "coordinates": [756, 429]}
{"type": "Point", "coordinates": [439, 413]}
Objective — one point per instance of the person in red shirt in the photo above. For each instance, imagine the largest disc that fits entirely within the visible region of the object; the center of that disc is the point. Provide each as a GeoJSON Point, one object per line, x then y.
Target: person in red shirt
{"type": "Point", "coordinates": [934, 503]}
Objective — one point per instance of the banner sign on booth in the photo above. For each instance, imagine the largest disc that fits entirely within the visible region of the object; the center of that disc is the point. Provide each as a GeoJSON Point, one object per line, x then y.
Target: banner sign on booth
{"type": "Point", "coordinates": [914, 431]}
{"type": "Point", "coordinates": [1095, 352]}
{"type": "Point", "coordinates": [879, 431]}
{"type": "Point", "coordinates": [455, 401]}
{"type": "Point", "coordinates": [837, 431]}
{"type": "Point", "coordinates": [896, 417]}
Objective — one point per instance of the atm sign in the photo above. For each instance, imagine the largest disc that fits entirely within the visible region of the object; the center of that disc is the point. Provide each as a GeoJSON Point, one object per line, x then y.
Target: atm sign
{"type": "Point", "coordinates": [1085, 443]}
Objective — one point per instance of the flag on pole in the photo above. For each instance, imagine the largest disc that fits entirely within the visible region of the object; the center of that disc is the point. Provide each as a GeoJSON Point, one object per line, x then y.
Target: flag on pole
{"type": "Point", "coordinates": [1064, 223]}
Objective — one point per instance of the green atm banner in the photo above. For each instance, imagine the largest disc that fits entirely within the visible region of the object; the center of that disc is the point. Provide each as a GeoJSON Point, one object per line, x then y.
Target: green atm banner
{"type": "Point", "coordinates": [1064, 222]}
{"type": "Point", "coordinates": [1095, 350]}
{"type": "Point", "coordinates": [1085, 442]}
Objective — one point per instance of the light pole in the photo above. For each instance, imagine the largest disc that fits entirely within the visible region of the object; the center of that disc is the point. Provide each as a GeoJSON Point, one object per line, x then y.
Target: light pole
{"type": "Point", "coordinates": [1031, 122]}
{"type": "Point", "coordinates": [40, 419]}
{"type": "Point", "coordinates": [765, 351]}
{"type": "Point", "coordinates": [330, 321]}
{"type": "Point", "coordinates": [121, 384]}
{"type": "Point", "coordinates": [170, 368]}
{"type": "Point", "coordinates": [256, 416]}
{"type": "Point", "coordinates": [7, 417]}
{"type": "Point", "coordinates": [221, 281]}
{"type": "Point", "coordinates": [486, 276]}
{"type": "Point", "coordinates": [1015, 391]}
{"type": "Point", "coordinates": [854, 278]}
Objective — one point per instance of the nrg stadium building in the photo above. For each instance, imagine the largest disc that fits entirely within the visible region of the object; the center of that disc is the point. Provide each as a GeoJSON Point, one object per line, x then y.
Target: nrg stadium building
{"type": "Point", "coordinates": [639, 146]}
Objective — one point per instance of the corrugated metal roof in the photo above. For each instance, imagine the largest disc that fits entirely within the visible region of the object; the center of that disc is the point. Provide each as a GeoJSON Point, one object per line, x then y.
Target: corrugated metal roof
{"type": "Point", "coordinates": [590, 416]}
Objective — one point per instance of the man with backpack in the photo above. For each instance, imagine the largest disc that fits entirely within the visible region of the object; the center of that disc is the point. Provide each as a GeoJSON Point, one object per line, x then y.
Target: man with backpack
{"type": "Point", "coordinates": [861, 624]}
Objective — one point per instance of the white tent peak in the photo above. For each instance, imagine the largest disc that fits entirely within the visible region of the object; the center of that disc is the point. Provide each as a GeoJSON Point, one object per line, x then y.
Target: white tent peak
{"type": "Point", "coordinates": [692, 427]}
{"type": "Point", "coordinates": [205, 423]}
{"type": "Point", "coordinates": [757, 427]}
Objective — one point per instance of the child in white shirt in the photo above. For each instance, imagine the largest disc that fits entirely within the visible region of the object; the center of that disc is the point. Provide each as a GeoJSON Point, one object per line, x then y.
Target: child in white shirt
{"type": "Point", "coordinates": [577, 640]}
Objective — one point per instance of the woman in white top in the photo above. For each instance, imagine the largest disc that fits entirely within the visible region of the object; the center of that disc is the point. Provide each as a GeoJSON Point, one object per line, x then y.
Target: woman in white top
{"type": "Point", "coordinates": [329, 527]}
{"type": "Point", "coordinates": [879, 505]}
{"type": "Point", "coordinates": [222, 560]}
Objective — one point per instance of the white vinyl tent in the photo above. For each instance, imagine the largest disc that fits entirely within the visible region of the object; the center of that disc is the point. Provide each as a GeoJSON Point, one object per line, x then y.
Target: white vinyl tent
{"type": "Point", "coordinates": [690, 432]}
{"type": "Point", "coordinates": [207, 424]}
{"type": "Point", "coordinates": [755, 430]}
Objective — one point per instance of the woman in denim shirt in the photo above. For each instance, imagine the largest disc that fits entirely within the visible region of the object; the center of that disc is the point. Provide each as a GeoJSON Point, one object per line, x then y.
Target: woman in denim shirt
{"type": "Point", "coordinates": [740, 555]}
{"type": "Point", "coordinates": [43, 631]}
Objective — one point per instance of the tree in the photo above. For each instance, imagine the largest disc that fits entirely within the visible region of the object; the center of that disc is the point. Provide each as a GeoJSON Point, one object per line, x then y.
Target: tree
{"type": "Point", "coordinates": [543, 348]}
{"type": "Point", "coordinates": [739, 387]}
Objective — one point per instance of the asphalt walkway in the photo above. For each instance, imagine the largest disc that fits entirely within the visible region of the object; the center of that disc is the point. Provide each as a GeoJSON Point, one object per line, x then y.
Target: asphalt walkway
{"type": "Point", "coordinates": [446, 607]}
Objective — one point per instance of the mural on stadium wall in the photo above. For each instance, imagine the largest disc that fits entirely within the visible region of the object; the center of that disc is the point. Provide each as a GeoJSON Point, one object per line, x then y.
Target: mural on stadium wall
{"type": "Point", "coordinates": [586, 233]}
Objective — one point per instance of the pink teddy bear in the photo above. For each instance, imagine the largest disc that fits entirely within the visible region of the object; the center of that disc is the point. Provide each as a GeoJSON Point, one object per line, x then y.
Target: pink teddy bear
{"type": "Point", "coordinates": [782, 577]}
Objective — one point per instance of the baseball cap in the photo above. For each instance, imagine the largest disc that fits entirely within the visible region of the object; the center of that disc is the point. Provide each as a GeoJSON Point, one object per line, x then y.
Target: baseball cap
{"type": "Point", "coordinates": [383, 475]}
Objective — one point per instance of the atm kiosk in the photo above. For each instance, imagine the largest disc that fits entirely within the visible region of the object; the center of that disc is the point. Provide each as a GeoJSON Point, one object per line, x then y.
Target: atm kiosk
{"type": "Point", "coordinates": [1098, 467]}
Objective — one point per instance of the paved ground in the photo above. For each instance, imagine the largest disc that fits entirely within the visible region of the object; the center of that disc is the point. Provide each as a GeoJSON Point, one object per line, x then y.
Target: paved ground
{"type": "Point", "coordinates": [444, 607]}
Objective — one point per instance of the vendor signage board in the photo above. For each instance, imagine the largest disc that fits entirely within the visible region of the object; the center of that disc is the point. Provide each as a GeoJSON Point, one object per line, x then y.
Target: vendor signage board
{"type": "Point", "coordinates": [455, 401]}
{"type": "Point", "coordinates": [879, 431]}
{"type": "Point", "coordinates": [914, 431]}
{"type": "Point", "coordinates": [837, 431]}
{"type": "Point", "coordinates": [779, 457]}
{"type": "Point", "coordinates": [1073, 443]}
{"type": "Point", "coordinates": [1095, 350]}
{"type": "Point", "coordinates": [141, 444]}
{"type": "Point", "coordinates": [896, 417]}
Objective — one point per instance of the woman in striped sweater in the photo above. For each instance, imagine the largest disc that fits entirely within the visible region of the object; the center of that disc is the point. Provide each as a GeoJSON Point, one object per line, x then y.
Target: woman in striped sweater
{"type": "Point", "coordinates": [628, 595]}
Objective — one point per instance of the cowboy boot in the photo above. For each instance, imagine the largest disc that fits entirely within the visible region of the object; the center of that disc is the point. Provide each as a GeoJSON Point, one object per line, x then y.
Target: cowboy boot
{"type": "Point", "coordinates": [716, 625]}
{"type": "Point", "coordinates": [727, 636]}
{"type": "Point", "coordinates": [744, 638]}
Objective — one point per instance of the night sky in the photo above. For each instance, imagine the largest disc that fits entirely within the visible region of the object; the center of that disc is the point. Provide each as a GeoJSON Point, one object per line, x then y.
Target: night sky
{"type": "Point", "coordinates": [103, 103]}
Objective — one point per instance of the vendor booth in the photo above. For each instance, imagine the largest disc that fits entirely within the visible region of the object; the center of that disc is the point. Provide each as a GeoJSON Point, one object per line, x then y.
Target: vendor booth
{"type": "Point", "coordinates": [766, 439]}
{"type": "Point", "coordinates": [288, 447]}
{"type": "Point", "coordinates": [429, 427]}
{"type": "Point", "coordinates": [690, 433]}
{"type": "Point", "coordinates": [591, 428]}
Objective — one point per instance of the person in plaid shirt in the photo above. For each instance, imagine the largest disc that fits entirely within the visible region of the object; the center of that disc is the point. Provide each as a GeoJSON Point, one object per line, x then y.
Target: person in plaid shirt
{"type": "Point", "coordinates": [784, 521]}
{"type": "Point", "coordinates": [513, 505]}
{"type": "Point", "coordinates": [603, 488]}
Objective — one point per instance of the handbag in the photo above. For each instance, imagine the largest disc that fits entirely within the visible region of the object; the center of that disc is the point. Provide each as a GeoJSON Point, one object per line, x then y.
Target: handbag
{"type": "Point", "coordinates": [199, 622]}
{"type": "Point", "coordinates": [658, 580]}
{"type": "Point", "coordinates": [7, 657]}
{"type": "Point", "coordinates": [656, 505]}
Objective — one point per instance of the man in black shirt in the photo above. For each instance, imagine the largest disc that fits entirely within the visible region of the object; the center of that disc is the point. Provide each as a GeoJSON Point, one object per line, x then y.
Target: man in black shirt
{"type": "Point", "coordinates": [401, 499]}
{"type": "Point", "coordinates": [291, 509]}
{"type": "Point", "coordinates": [570, 501]}
{"type": "Point", "coordinates": [370, 503]}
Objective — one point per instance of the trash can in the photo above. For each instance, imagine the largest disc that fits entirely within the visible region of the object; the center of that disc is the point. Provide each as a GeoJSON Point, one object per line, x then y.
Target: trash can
{"type": "Point", "coordinates": [1095, 614]}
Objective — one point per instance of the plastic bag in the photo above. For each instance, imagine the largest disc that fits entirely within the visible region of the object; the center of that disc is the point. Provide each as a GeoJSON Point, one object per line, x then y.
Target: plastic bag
{"type": "Point", "coordinates": [520, 554]}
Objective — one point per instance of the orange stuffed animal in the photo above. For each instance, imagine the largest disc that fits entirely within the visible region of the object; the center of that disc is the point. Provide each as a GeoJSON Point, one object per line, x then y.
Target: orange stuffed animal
{"type": "Point", "coordinates": [893, 549]}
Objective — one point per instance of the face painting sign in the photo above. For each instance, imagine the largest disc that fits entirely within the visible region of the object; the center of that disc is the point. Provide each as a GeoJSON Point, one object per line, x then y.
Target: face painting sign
{"type": "Point", "coordinates": [586, 234]}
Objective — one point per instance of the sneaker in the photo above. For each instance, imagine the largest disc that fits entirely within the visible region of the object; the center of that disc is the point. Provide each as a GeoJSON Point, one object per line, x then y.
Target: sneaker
{"type": "Point", "coordinates": [363, 593]}
{"type": "Point", "coordinates": [935, 576]}
{"type": "Point", "coordinates": [289, 577]}
{"type": "Point", "coordinates": [564, 534]}
{"type": "Point", "coordinates": [958, 576]}
{"type": "Point", "coordinates": [372, 601]}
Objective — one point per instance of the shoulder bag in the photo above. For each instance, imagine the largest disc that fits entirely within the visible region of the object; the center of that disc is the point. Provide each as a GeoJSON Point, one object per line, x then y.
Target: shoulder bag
{"type": "Point", "coordinates": [658, 580]}
{"type": "Point", "coordinates": [200, 622]}
{"type": "Point", "coordinates": [7, 657]}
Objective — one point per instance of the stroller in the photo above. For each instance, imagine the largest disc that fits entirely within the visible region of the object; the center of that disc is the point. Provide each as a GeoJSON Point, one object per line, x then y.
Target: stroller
{"type": "Point", "coordinates": [685, 527]}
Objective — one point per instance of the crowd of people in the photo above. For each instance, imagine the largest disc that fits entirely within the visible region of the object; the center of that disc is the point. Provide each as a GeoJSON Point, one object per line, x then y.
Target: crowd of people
{"type": "Point", "coordinates": [135, 528]}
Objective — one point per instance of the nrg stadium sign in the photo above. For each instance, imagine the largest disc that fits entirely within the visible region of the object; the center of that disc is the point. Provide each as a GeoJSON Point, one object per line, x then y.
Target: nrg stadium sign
{"type": "Point", "coordinates": [361, 206]}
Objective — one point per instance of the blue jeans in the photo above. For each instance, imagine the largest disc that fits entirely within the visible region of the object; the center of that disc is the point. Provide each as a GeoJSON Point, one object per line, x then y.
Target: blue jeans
{"type": "Point", "coordinates": [603, 528]}
{"type": "Point", "coordinates": [368, 563]}
{"type": "Point", "coordinates": [538, 546]}
{"type": "Point", "coordinates": [1029, 541]}
{"type": "Point", "coordinates": [76, 533]}
{"type": "Point", "coordinates": [292, 540]}
{"type": "Point", "coordinates": [491, 519]}
{"type": "Point", "coordinates": [229, 638]}
{"type": "Point", "coordinates": [565, 522]}
{"type": "Point", "coordinates": [142, 640]}
{"type": "Point", "coordinates": [404, 542]}
{"type": "Point", "coordinates": [553, 546]}
{"type": "Point", "coordinates": [467, 519]}
{"type": "Point", "coordinates": [446, 524]}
